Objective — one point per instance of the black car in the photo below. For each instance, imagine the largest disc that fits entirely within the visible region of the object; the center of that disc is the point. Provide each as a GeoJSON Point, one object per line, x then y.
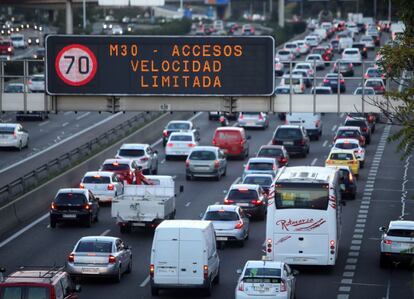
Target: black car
{"type": "Point", "coordinates": [362, 49]}
{"type": "Point", "coordinates": [250, 197]}
{"type": "Point", "coordinates": [294, 138]}
{"type": "Point", "coordinates": [39, 54]}
{"type": "Point", "coordinates": [331, 79]}
{"type": "Point", "coordinates": [74, 205]}
{"type": "Point", "coordinates": [362, 123]}
{"type": "Point", "coordinates": [370, 117]}
{"type": "Point", "coordinates": [348, 183]}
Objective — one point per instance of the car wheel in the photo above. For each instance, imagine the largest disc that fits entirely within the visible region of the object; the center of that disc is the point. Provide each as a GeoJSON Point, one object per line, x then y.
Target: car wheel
{"type": "Point", "coordinates": [52, 223]}
{"type": "Point", "coordinates": [208, 289]}
{"type": "Point", "coordinates": [88, 222]}
{"type": "Point", "coordinates": [96, 219]}
{"type": "Point", "coordinates": [383, 261]}
{"type": "Point", "coordinates": [353, 195]}
{"type": "Point", "coordinates": [125, 229]}
{"type": "Point", "coordinates": [361, 164]}
{"type": "Point", "coordinates": [225, 171]}
{"type": "Point", "coordinates": [129, 268]}
{"type": "Point", "coordinates": [241, 243]}
{"type": "Point", "coordinates": [27, 143]}
{"type": "Point", "coordinates": [155, 171]}
{"type": "Point", "coordinates": [20, 146]}
{"type": "Point", "coordinates": [217, 278]}
{"type": "Point", "coordinates": [369, 140]}
{"type": "Point", "coordinates": [217, 178]}
{"type": "Point", "coordinates": [118, 275]}
{"type": "Point", "coordinates": [189, 177]}
{"type": "Point", "coordinates": [155, 291]}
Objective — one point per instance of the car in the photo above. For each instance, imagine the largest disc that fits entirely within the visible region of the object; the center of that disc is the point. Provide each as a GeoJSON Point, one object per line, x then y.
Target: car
{"type": "Point", "coordinates": [321, 90]}
{"type": "Point", "coordinates": [294, 138]}
{"type": "Point", "coordinates": [277, 152]}
{"type": "Point", "coordinates": [13, 135]}
{"type": "Point", "coordinates": [18, 41]}
{"type": "Point", "coordinates": [33, 40]}
{"type": "Point", "coordinates": [250, 197]}
{"type": "Point", "coordinates": [144, 156]}
{"type": "Point", "coordinates": [253, 120]}
{"type": "Point", "coordinates": [74, 205]}
{"type": "Point", "coordinates": [261, 165]}
{"type": "Point", "coordinates": [125, 168]}
{"type": "Point", "coordinates": [104, 185]}
{"type": "Point", "coordinates": [316, 61]}
{"type": "Point", "coordinates": [351, 144]}
{"type": "Point", "coordinates": [205, 162]}
{"type": "Point", "coordinates": [180, 144]}
{"type": "Point", "coordinates": [306, 78]}
{"type": "Point", "coordinates": [177, 126]}
{"type": "Point", "coordinates": [362, 123]}
{"type": "Point", "coordinates": [344, 43]}
{"type": "Point", "coordinates": [6, 47]}
{"type": "Point", "coordinates": [266, 279]}
{"type": "Point", "coordinates": [350, 132]}
{"type": "Point", "coordinates": [312, 41]}
{"type": "Point", "coordinates": [396, 242]}
{"type": "Point", "coordinates": [348, 182]}
{"type": "Point", "coordinates": [100, 256]}
{"type": "Point", "coordinates": [375, 35]}
{"type": "Point", "coordinates": [323, 33]}
{"type": "Point", "coordinates": [352, 55]}
{"type": "Point", "coordinates": [293, 48]}
{"type": "Point", "coordinates": [362, 49]}
{"type": "Point", "coordinates": [368, 41]}
{"type": "Point", "coordinates": [296, 81]}
{"type": "Point", "coordinates": [117, 30]}
{"type": "Point", "coordinates": [303, 46]}
{"type": "Point", "coordinates": [279, 67]}
{"type": "Point", "coordinates": [200, 30]}
{"type": "Point", "coordinates": [215, 115]}
{"type": "Point", "coordinates": [14, 88]}
{"type": "Point", "coordinates": [312, 122]}
{"type": "Point", "coordinates": [343, 157]}
{"type": "Point", "coordinates": [39, 54]}
{"type": "Point", "coordinates": [374, 72]}
{"type": "Point", "coordinates": [37, 83]}
{"type": "Point", "coordinates": [370, 117]}
{"type": "Point", "coordinates": [346, 68]}
{"type": "Point", "coordinates": [335, 44]}
{"type": "Point", "coordinates": [325, 52]}
{"type": "Point", "coordinates": [39, 282]}
{"type": "Point", "coordinates": [230, 222]}
{"type": "Point", "coordinates": [285, 56]}
{"type": "Point", "coordinates": [334, 81]}
{"type": "Point", "coordinates": [305, 66]}
{"type": "Point", "coordinates": [233, 141]}
{"type": "Point", "coordinates": [282, 89]}
{"type": "Point", "coordinates": [364, 91]}
{"type": "Point", "coordinates": [262, 179]}
{"type": "Point", "coordinates": [352, 27]}
{"type": "Point", "coordinates": [247, 29]}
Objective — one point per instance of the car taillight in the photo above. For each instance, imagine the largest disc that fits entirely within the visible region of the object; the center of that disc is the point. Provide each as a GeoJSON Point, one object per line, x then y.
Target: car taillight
{"type": "Point", "coordinates": [241, 116]}
{"type": "Point", "coordinates": [111, 259]}
{"type": "Point", "coordinates": [365, 49]}
{"type": "Point", "coordinates": [152, 270]}
{"type": "Point", "coordinates": [388, 242]}
{"type": "Point", "coordinates": [351, 66]}
{"type": "Point", "coordinates": [228, 201]}
{"type": "Point", "coordinates": [82, 185]}
{"type": "Point", "coordinates": [269, 245]}
{"type": "Point", "coordinates": [241, 286]}
{"type": "Point", "coordinates": [239, 225]}
{"type": "Point", "coordinates": [216, 164]}
{"type": "Point", "coordinates": [329, 162]}
{"type": "Point", "coordinates": [53, 206]}
{"type": "Point", "coordinates": [110, 187]}
{"type": "Point", "coordinates": [260, 116]}
{"type": "Point", "coordinates": [366, 76]}
{"type": "Point", "coordinates": [170, 144]}
{"type": "Point", "coordinates": [325, 81]}
{"type": "Point", "coordinates": [214, 141]}
{"type": "Point", "coordinates": [282, 286]}
{"type": "Point", "coordinates": [274, 167]}
{"type": "Point", "coordinates": [191, 145]}
{"type": "Point", "coordinates": [350, 177]}
{"type": "Point", "coordinates": [317, 123]}
{"type": "Point", "coordinates": [332, 244]}
{"type": "Point", "coordinates": [187, 163]}
{"type": "Point", "coordinates": [302, 142]}
{"type": "Point", "coordinates": [370, 118]}
{"type": "Point", "coordinates": [30, 81]}
{"type": "Point", "coordinates": [9, 49]}
{"type": "Point", "coordinates": [342, 81]}
{"type": "Point", "coordinates": [165, 133]}
{"type": "Point", "coordinates": [71, 258]}
{"type": "Point", "coordinates": [143, 159]}
{"type": "Point", "coordinates": [205, 272]}
{"type": "Point", "coordinates": [86, 206]}
{"type": "Point", "coordinates": [282, 160]}
{"type": "Point", "coordinates": [257, 202]}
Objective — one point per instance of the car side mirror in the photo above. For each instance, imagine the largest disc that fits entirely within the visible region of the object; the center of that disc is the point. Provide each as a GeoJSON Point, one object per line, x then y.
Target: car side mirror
{"type": "Point", "coordinates": [2, 270]}
{"type": "Point", "coordinates": [78, 288]}
{"type": "Point", "coordinates": [181, 188]}
{"type": "Point", "coordinates": [239, 271]}
{"type": "Point", "coordinates": [295, 272]}
{"type": "Point", "coordinates": [382, 229]}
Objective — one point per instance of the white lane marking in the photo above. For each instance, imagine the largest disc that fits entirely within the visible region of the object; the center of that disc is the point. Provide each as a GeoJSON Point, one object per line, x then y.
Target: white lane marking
{"type": "Point", "coordinates": [174, 176]}
{"type": "Point", "coordinates": [217, 203]}
{"type": "Point", "coordinates": [314, 161]}
{"type": "Point", "coordinates": [23, 230]}
{"type": "Point", "coordinates": [334, 128]}
{"type": "Point", "coordinates": [44, 123]}
{"type": "Point", "coordinates": [105, 232]}
{"type": "Point", "coordinates": [62, 141]}
{"type": "Point", "coordinates": [67, 113]}
{"type": "Point", "coordinates": [162, 161]}
{"type": "Point", "coordinates": [348, 281]}
{"type": "Point", "coordinates": [345, 289]}
{"type": "Point", "coordinates": [387, 295]}
{"type": "Point", "coordinates": [342, 114]}
{"type": "Point", "coordinates": [48, 226]}
{"type": "Point", "coordinates": [145, 282]}
{"type": "Point", "coordinates": [342, 296]}
{"type": "Point", "coordinates": [236, 180]}
{"type": "Point", "coordinates": [83, 115]}
{"type": "Point", "coordinates": [348, 274]}
{"type": "Point", "coordinates": [325, 143]}
{"type": "Point", "coordinates": [65, 124]}
{"type": "Point", "coordinates": [188, 204]}
{"type": "Point", "coordinates": [403, 188]}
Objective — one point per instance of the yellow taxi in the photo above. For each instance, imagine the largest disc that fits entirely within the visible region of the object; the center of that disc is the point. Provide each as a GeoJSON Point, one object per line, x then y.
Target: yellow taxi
{"type": "Point", "coordinates": [343, 157]}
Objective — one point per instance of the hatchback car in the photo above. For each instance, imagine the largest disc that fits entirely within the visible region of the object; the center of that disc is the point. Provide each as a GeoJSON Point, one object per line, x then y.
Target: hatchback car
{"type": "Point", "coordinates": [39, 54]}
{"type": "Point", "coordinates": [177, 126]}
{"type": "Point", "coordinates": [142, 154]}
{"type": "Point", "coordinates": [368, 41]}
{"type": "Point", "coordinates": [37, 83]}
{"type": "Point", "coordinates": [305, 66]}
{"type": "Point", "coordinates": [266, 279]}
{"type": "Point", "coordinates": [253, 120]}
{"type": "Point", "coordinates": [206, 162]}
{"type": "Point", "coordinates": [261, 165]}
{"type": "Point", "coordinates": [13, 135]}
{"type": "Point", "coordinates": [317, 60]}
{"type": "Point", "coordinates": [125, 168]}
{"type": "Point", "coordinates": [350, 133]}
{"type": "Point", "coordinates": [293, 137]}
{"type": "Point", "coordinates": [307, 80]}
{"type": "Point", "coordinates": [247, 29]}
{"type": "Point", "coordinates": [251, 198]}
{"type": "Point", "coordinates": [277, 152]}
{"type": "Point", "coordinates": [370, 117]}
{"type": "Point", "coordinates": [321, 90]}
{"type": "Point", "coordinates": [100, 256]}
{"type": "Point", "coordinates": [261, 179]}
{"type": "Point", "coordinates": [346, 68]}
{"type": "Point", "coordinates": [339, 157]}
{"type": "Point", "coordinates": [312, 41]}
{"type": "Point", "coordinates": [362, 123]}
{"type": "Point", "coordinates": [293, 48]}
{"type": "Point", "coordinates": [334, 81]}
{"type": "Point", "coordinates": [362, 49]}
{"type": "Point", "coordinates": [353, 55]}
{"type": "Point", "coordinates": [397, 242]}
{"type": "Point", "coordinates": [230, 223]}
{"type": "Point", "coordinates": [374, 72]}
{"type": "Point", "coordinates": [285, 56]}
{"type": "Point", "coordinates": [233, 141]}
{"type": "Point", "coordinates": [352, 144]}
{"type": "Point", "coordinates": [377, 84]}
{"type": "Point", "coordinates": [104, 185]}
{"type": "Point", "coordinates": [325, 52]}
{"type": "Point", "coordinates": [180, 144]}
{"type": "Point", "coordinates": [74, 205]}
{"type": "Point", "coordinates": [364, 91]}
{"type": "Point", "coordinates": [303, 47]}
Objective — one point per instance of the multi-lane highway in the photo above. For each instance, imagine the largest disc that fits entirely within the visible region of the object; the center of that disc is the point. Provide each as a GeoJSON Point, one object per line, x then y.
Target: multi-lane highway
{"type": "Point", "coordinates": [356, 275]}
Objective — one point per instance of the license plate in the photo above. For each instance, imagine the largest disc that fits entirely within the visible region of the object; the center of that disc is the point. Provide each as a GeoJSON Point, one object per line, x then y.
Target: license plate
{"type": "Point", "coordinates": [90, 270]}
{"type": "Point", "coordinates": [139, 224]}
{"type": "Point", "coordinates": [300, 259]}
{"type": "Point", "coordinates": [166, 270]}
{"type": "Point", "coordinates": [243, 204]}
{"type": "Point", "coordinates": [69, 216]}
{"type": "Point", "coordinates": [288, 142]}
{"type": "Point", "coordinates": [250, 123]}
{"type": "Point", "coordinates": [221, 238]}
{"type": "Point", "coordinates": [334, 82]}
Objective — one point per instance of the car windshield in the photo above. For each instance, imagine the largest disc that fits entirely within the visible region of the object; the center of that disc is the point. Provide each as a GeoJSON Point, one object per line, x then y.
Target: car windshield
{"type": "Point", "coordinates": [242, 194]}
{"type": "Point", "coordinates": [202, 155]}
{"type": "Point", "coordinates": [181, 138]}
{"type": "Point", "coordinates": [346, 145]}
{"type": "Point", "coordinates": [270, 152]}
{"type": "Point", "coordinates": [7, 130]}
{"type": "Point", "coordinates": [131, 152]}
{"type": "Point", "coordinates": [97, 179]}
{"type": "Point", "coordinates": [94, 246]}
{"type": "Point", "coordinates": [221, 215]}
{"type": "Point", "coordinates": [256, 180]}
{"type": "Point", "coordinates": [282, 90]}
{"type": "Point", "coordinates": [115, 167]}
{"type": "Point", "coordinates": [178, 126]}
{"type": "Point", "coordinates": [403, 233]}
{"type": "Point", "coordinates": [301, 197]}
{"type": "Point", "coordinates": [288, 133]}
{"type": "Point", "coordinates": [260, 166]}
{"type": "Point", "coordinates": [366, 91]}
{"type": "Point", "coordinates": [29, 292]}
{"type": "Point", "coordinates": [70, 198]}
{"type": "Point", "coordinates": [352, 52]}
{"type": "Point", "coordinates": [341, 156]}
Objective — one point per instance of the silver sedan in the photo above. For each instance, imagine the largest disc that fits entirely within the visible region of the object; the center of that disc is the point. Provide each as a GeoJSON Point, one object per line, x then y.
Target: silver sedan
{"type": "Point", "coordinates": [253, 120]}
{"type": "Point", "coordinates": [100, 256]}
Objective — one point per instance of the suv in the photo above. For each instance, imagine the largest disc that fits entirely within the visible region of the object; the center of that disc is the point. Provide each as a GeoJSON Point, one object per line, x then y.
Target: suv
{"type": "Point", "coordinates": [362, 123]}
{"type": "Point", "coordinates": [205, 161]}
{"type": "Point", "coordinates": [397, 242]}
{"type": "Point", "coordinates": [39, 282]}
{"type": "Point", "coordinates": [293, 137]}
{"type": "Point", "coordinates": [250, 197]}
{"type": "Point", "coordinates": [143, 155]}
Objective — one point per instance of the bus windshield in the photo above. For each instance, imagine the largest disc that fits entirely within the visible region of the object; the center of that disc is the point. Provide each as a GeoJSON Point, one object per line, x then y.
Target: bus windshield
{"type": "Point", "coordinates": [301, 197]}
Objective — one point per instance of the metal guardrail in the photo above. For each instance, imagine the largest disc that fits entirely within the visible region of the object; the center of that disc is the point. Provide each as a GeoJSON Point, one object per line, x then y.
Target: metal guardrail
{"type": "Point", "coordinates": [63, 162]}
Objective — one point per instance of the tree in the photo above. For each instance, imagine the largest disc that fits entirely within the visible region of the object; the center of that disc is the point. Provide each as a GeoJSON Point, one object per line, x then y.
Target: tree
{"type": "Point", "coordinates": [397, 59]}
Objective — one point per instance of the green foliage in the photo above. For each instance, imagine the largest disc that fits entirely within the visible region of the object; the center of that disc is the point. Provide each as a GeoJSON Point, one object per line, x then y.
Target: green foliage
{"type": "Point", "coordinates": [179, 27]}
{"type": "Point", "coordinates": [282, 35]}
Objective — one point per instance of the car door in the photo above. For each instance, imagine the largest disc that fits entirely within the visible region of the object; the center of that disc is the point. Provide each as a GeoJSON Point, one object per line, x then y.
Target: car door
{"type": "Point", "coordinates": [94, 202]}
{"type": "Point", "coordinates": [119, 186]}
{"type": "Point", "coordinates": [121, 253]}
{"type": "Point", "coordinates": [245, 220]}
{"type": "Point", "coordinates": [222, 160]}
{"type": "Point", "coordinates": [290, 280]}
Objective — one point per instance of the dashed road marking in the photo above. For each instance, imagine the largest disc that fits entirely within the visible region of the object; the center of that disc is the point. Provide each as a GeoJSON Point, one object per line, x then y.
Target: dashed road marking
{"type": "Point", "coordinates": [188, 204]}
{"type": "Point", "coordinates": [348, 274]}
{"type": "Point", "coordinates": [325, 143]}
{"type": "Point", "coordinates": [314, 161]}
{"type": "Point", "coordinates": [44, 123]}
{"type": "Point", "coordinates": [83, 115]}
{"type": "Point", "coordinates": [334, 128]}
{"type": "Point", "coordinates": [236, 180]}
{"type": "Point", "coordinates": [65, 124]}
{"type": "Point", "coordinates": [145, 282]}
{"type": "Point", "coordinates": [105, 232]}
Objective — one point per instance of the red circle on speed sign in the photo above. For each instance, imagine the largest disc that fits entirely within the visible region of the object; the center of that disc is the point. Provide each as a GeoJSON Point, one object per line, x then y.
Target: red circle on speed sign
{"type": "Point", "coordinates": [76, 65]}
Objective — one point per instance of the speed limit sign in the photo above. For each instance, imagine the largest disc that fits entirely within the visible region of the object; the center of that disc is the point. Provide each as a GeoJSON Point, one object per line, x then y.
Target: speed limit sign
{"type": "Point", "coordinates": [76, 65]}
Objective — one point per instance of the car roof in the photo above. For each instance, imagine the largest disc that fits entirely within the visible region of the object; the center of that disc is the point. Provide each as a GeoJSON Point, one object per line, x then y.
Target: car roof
{"type": "Point", "coordinates": [98, 238]}
{"type": "Point", "coordinates": [122, 161]}
{"type": "Point", "coordinates": [262, 160]}
{"type": "Point", "coordinates": [347, 140]}
{"type": "Point", "coordinates": [294, 76]}
{"type": "Point", "coordinates": [264, 264]}
{"type": "Point", "coordinates": [353, 49]}
{"type": "Point", "coordinates": [259, 175]}
{"type": "Point", "coordinates": [205, 148]}
{"type": "Point", "coordinates": [349, 128]}
{"type": "Point", "coordinates": [341, 151]}
{"type": "Point", "coordinates": [179, 122]}
{"type": "Point", "coordinates": [73, 190]}
{"type": "Point", "coordinates": [34, 276]}
{"type": "Point", "coordinates": [234, 129]}
{"type": "Point", "coordinates": [134, 146]}
{"type": "Point", "coordinates": [322, 87]}
{"type": "Point", "coordinates": [401, 224]}
{"type": "Point", "coordinates": [303, 63]}
{"type": "Point", "coordinates": [244, 186]}
{"type": "Point", "coordinates": [99, 173]}
{"type": "Point", "coordinates": [229, 208]}
{"type": "Point", "coordinates": [374, 79]}
{"type": "Point", "coordinates": [182, 133]}
{"type": "Point", "coordinates": [289, 127]}
{"type": "Point", "coordinates": [271, 146]}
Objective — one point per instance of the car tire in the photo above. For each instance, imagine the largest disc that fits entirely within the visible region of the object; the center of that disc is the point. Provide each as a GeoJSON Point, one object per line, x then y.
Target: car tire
{"type": "Point", "coordinates": [217, 278]}
{"type": "Point", "coordinates": [155, 291]}
{"type": "Point", "coordinates": [208, 289]}
{"type": "Point", "coordinates": [361, 164]}
{"type": "Point", "coordinates": [118, 275]}
{"type": "Point", "coordinates": [20, 146]}
{"type": "Point", "coordinates": [155, 171]}
{"type": "Point", "coordinates": [225, 171]}
{"type": "Point", "coordinates": [129, 268]}
{"type": "Point", "coordinates": [241, 243]}
{"type": "Point", "coordinates": [217, 178]}
{"type": "Point", "coordinates": [353, 195]}
{"type": "Point", "coordinates": [88, 222]}
{"type": "Point", "coordinates": [189, 177]}
{"type": "Point", "coordinates": [52, 223]}
{"type": "Point", "coordinates": [368, 140]}
{"type": "Point", "coordinates": [125, 229]}
{"type": "Point", "coordinates": [383, 261]}
{"type": "Point", "coordinates": [96, 219]}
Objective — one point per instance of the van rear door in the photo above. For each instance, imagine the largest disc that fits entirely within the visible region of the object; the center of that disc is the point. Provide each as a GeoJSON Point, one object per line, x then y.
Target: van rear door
{"type": "Point", "coordinates": [229, 141]}
{"type": "Point", "coordinates": [166, 257]}
{"type": "Point", "coordinates": [191, 261]}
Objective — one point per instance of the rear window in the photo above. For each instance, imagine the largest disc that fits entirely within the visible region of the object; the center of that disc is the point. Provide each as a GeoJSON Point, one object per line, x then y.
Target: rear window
{"type": "Point", "coordinates": [7, 130]}
{"type": "Point", "coordinates": [221, 216]}
{"type": "Point", "coordinates": [181, 138]}
{"type": "Point", "coordinates": [262, 181]}
{"type": "Point", "coordinates": [243, 194]}
{"type": "Point", "coordinates": [289, 46]}
{"type": "Point", "coordinates": [284, 52]}
{"type": "Point", "coordinates": [366, 91]}
{"type": "Point", "coordinates": [288, 133]}
{"type": "Point", "coordinates": [131, 152]}
{"type": "Point", "coordinates": [373, 83]}
{"type": "Point", "coordinates": [115, 167]}
{"type": "Point", "coordinates": [252, 272]}
{"type": "Point", "coordinates": [178, 126]}
{"type": "Point", "coordinates": [351, 52]}
{"type": "Point", "coordinates": [341, 156]}
{"type": "Point", "coordinates": [17, 292]}
{"type": "Point", "coordinates": [282, 91]}
{"type": "Point", "coordinates": [355, 123]}
{"type": "Point", "coordinates": [94, 246]}
{"type": "Point", "coordinates": [348, 133]}
{"type": "Point", "coordinates": [96, 180]}
{"type": "Point", "coordinates": [5, 44]}
{"type": "Point", "coordinates": [38, 79]}
{"type": "Point", "coordinates": [303, 67]}
{"type": "Point", "coordinates": [261, 279]}
{"type": "Point", "coordinates": [346, 145]}
{"type": "Point", "coordinates": [202, 155]}
{"type": "Point", "coordinates": [260, 166]}
{"type": "Point", "coordinates": [70, 198]}
{"type": "Point", "coordinates": [374, 72]}
{"type": "Point", "coordinates": [228, 136]}
{"type": "Point", "coordinates": [294, 81]}
{"type": "Point", "coordinates": [318, 51]}
{"type": "Point", "coordinates": [313, 58]}
{"type": "Point", "coordinates": [404, 233]}
{"type": "Point", "coordinates": [312, 197]}
{"type": "Point", "coordinates": [321, 91]}
{"type": "Point", "coordinates": [270, 152]}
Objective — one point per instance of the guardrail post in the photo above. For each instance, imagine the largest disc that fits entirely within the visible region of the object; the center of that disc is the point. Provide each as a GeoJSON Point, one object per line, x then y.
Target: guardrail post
{"type": "Point", "coordinates": [1, 84]}
{"type": "Point", "coordinates": [338, 90]}
{"type": "Point", "coordinates": [25, 75]}
{"type": "Point", "coordinates": [363, 88]}
{"type": "Point", "coordinates": [290, 84]}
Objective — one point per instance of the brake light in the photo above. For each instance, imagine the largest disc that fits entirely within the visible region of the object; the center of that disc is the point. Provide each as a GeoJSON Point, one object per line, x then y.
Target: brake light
{"type": "Point", "coordinates": [53, 206]}
{"type": "Point", "coordinates": [30, 81]}
{"type": "Point", "coordinates": [388, 242]}
{"type": "Point", "coordinates": [269, 245]}
{"type": "Point", "coordinates": [239, 225]}
{"type": "Point", "coordinates": [241, 116]}
{"type": "Point", "coordinates": [366, 76]}
{"type": "Point", "coordinates": [241, 286]}
{"type": "Point", "coordinates": [351, 66]}
{"type": "Point", "coordinates": [110, 187]}
{"type": "Point", "coordinates": [317, 123]}
{"type": "Point", "coordinates": [342, 81]}
{"type": "Point", "coordinates": [143, 159]}
{"type": "Point", "coordinates": [205, 272]}
{"type": "Point", "coordinates": [115, 164]}
{"type": "Point", "coordinates": [247, 167]}
{"type": "Point", "coordinates": [302, 142]}
{"type": "Point", "coordinates": [216, 164]}
{"type": "Point", "coordinates": [111, 259]}
{"type": "Point", "coordinates": [130, 173]}
{"type": "Point", "coordinates": [170, 144]}
{"type": "Point", "coordinates": [187, 163]}
{"type": "Point", "coordinates": [282, 160]}
{"type": "Point", "coordinates": [274, 167]}
{"type": "Point", "coordinates": [365, 49]}
{"type": "Point", "coordinates": [191, 145]}
{"type": "Point", "coordinates": [86, 206]}
{"type": "Point", "coordinates": [329, 161]}
{"type": "Point", "coordinates": [257, 202]}
{"type": "Point", "coordinates": [214, 141]}
{"type": "Point", "coordinates": [325, 81]}
{"type": "Point", "coordinates": [371, 118]}
{"type": "Point", "coordinates": [82, 185]}
{"type": "Point", "coordinates": [14, 135]}
{"type": "Point", "coordinates": [165, 133]}
{"type": "Point", "coordinates": [282, 286]}
{"type": "Point", "coordinates": [350, 177]}
{"type": "Point", "coordinates": [332, 244]}
{"type": "Point", "coordinates": [71, 258]}
{"type": "Point", "coordinates": [260, 116]}
{"type": "Point", "coordinates": [9, 49]}
{"type": "Point", "coordinates": [152, 270]}
{"type": "Point", "coordinates": [228, 201]}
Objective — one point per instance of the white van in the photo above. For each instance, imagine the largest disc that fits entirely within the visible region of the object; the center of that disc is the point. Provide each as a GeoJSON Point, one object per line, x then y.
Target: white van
{"type": "Point", "coordinates": [184, 255]}
{"type": "Point", "coordinates": [345, 42]}
{"type": "Point", "coordinates": [311, 122]}
{"type": "Point", "coordinates": [298, 86]}
{"type": "Point", "coordinates": [322, 33]}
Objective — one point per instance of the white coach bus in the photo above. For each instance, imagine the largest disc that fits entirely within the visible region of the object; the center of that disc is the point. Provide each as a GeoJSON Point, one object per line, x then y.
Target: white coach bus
{"type": "Point", "coordinates": [304, 216]}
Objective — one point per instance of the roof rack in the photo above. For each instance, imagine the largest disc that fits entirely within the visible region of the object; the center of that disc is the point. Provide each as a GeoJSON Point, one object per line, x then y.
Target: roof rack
{"type": "Point", "coordinates": [51, 271]}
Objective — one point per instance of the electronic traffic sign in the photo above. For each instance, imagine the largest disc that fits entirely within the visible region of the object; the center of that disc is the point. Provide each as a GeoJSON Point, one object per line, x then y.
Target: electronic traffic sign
{"type": "Point", "coordinates": [159, 65]}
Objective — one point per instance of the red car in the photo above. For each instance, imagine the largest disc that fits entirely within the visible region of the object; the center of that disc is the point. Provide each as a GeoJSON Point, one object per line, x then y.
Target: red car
{"type": "Point", "coordinates": [275, 151]}
{"type": "Point", "coordinates": [326, 52]}
{"type": "Point", "coordinates": [350, 133]}
{"type": "Point", "coordinates": [125, 168]}
{"type": "Point", "coordinates": [6, 47]}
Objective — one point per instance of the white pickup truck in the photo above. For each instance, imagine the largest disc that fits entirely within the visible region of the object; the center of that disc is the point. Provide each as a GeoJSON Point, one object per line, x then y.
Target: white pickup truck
{"type": "Point", "coordinates": [145, 205]}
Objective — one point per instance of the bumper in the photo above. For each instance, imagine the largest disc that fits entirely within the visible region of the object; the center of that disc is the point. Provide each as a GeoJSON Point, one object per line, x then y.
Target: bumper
{"type": "Point", "coordinates": [69, 216]}
{"type": "Point", "coordinates": [203, 285]}
{"type": "Point", "coordinates": [177, 153]}
{"type": "Point", "coordinates": [401, 257]}
{"type": "Point", "coordinates": [105, 198]}
{"type": "Point", "coordinates": [206, 174]}
{"type": "Point", "coordinates": [242, 295]}
{"type": "Point", "coordinates": [9, 143]}
{"type": "Point", "coordinates": [230, 235]}
{"type": "Point", "coordinates": [253, 124]}
{"type": "Point", "coordinates": [295, 149]}
{"type": "Point", "coordinates": [90, 270]}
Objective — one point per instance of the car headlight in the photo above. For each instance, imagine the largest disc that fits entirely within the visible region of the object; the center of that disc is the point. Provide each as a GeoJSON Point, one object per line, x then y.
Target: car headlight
{"type": "Point", "coordinates": [40, 28]}
{"type": "Point", "coordinates": [110, 26]}
{"type": "Point", "coordinates": [37, 41]}
{"type": "Point", "coordinates": [104, 26]}
{"type": "Point", "coordinates": [129, 29]}
{"type": "Point", "coordinates": [29, 41]}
